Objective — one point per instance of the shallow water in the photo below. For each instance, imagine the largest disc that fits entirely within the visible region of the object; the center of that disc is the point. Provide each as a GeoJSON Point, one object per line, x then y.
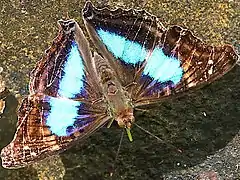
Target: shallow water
{"type": "Point", "coordinates": [204, 125]}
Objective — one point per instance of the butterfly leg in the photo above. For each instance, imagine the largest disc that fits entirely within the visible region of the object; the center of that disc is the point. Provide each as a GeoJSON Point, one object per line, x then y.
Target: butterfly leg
{"type": "Point", "coordinates": [130, 85]}
{"type": "Point", "coordinates": [142, 110]}
{"type": "Point", "coordinates": [110, 123]}
{"type": "Point", "coordinates": [98, 100]}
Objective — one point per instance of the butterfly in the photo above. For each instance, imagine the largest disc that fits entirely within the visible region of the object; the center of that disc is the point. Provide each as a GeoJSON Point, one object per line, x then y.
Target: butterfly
{"type": "Point", "coordinates": [73, 92]}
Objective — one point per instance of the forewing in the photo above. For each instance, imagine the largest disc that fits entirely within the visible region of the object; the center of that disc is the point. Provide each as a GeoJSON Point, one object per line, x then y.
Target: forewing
{"type": "Point", "coordinates": [50, 125]}
{"type": "Point", "coordinates": [151, 61]}
{"type": "Point", "coordinates": [64, 104]}
{"type": "Point", "coordinates": [124, 37]}
{"type": "Point", "coordinates": [66, 69]}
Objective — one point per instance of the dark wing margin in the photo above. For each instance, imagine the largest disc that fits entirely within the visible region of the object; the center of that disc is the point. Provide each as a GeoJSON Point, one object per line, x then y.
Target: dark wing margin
{"type": "Point", "coordinates": [153, 62]}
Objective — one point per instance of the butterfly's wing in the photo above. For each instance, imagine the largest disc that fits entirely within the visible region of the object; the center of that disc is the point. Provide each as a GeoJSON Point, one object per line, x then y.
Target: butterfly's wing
{"type": "Point", "coordinates": [66, 69]}
{"type": "Point", "coordinates": [63, 105]}
{"type": "Point", "coordinates": [151, 61]}
{"type": "Point", "coordinates": [48, 126]}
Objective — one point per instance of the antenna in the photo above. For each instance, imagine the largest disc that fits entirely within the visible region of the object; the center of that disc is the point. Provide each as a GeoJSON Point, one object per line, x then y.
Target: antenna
{"type": "Point", "coordinates": [118, 150]}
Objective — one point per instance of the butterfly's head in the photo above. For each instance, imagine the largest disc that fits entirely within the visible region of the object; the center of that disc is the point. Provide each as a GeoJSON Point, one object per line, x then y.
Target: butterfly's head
{"type": "Point", "coordinates": [125, 118]}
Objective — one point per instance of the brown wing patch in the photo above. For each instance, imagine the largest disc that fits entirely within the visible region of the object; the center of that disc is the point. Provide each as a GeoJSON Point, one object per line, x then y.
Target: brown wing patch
{"type": "Point", "coordinates": [33, 139]}
{"type": "Point", "coordinates": [201, 64]}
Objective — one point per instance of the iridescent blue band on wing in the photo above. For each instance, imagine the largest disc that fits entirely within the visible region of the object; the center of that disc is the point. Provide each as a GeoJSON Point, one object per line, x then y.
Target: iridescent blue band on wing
{"type": "Point", "coordinates": [159, 66]}
{"type": "Point", "coordinates": [63, 113]}
{"type": "Point", "coordinates": [73, 74]}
